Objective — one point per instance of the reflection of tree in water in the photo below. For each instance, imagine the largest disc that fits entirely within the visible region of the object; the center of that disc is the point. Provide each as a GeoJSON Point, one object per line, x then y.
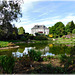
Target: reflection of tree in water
{"type": "Point", "coordinates": [59, 49]}
{"type": "Point", "coordinates": [36, 45]}
{"type": "Point", "coordinates": [21, 49]}
{"type": "Point", "coordinates": [40, 46]}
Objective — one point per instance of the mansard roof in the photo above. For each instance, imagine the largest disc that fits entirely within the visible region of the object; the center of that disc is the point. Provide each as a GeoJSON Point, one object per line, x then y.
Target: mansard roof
{"type": "Point", "coordinates": [39, 26]}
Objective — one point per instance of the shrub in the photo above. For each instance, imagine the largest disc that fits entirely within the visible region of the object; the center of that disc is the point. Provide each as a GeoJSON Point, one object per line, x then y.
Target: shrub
{"type": "Point", "coordinates": [49, 69]}
{"type": "Point", "coordinates": [44, 59]}
{"type": "Point", "coordinates": [25, 60]}
{"type": "Point", "coordinates": [7, 63]}
{"type": "Point", "coordinates": [35, 56]}
{"type": "Point", "coordinates": [57, 56]}
{"type": "Point", "coordinates": [40, 38]}
{"type": "Point", "coordinates": [23, 38]}
{"type": "Point", "coordinates": [73, 31]}
{"type": "Point", "coordinates": [48, 56]}
{"type": "Point", "coordinates": [63, 58]}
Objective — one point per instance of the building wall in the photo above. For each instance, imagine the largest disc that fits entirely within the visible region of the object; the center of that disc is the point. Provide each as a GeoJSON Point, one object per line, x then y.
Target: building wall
{"type": "Point", "coordinates": [33, 31]}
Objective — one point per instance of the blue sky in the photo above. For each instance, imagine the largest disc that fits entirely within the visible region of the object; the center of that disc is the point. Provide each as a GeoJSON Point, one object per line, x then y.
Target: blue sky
{"type": "Point", "coordinates": [45, 13]}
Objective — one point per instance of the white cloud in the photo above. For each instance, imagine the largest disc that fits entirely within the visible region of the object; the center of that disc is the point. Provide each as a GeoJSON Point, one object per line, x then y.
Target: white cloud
{"type": "Point", "coordinates": [49, 21]}
{"type": "Point", "coordinates": [46, 22]}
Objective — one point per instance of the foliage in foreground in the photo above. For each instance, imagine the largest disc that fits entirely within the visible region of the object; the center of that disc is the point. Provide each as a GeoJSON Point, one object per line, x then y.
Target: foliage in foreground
{"type": "Point", "coordinates": [35, 56]}
{"type": "Point", "coordinates": [48, 69]}
{"type": "Point", "coordinates": [7, 63]}
{"type": "Point", "coordinates": [26, 61]}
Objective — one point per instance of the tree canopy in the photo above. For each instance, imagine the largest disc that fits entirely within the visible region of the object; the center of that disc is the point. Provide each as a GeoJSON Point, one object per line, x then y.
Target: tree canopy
{"type": "Point", "coordinates": [21, 31]}
{"type": "Point", "coordinates": [72, 26]}
{"type": "Point", "coordinates": [69, 27]}
{"type": "Point", "coordinates": [57, 29]}
{"type": "Point", "coordinates": [11, 10]}
{"type": "Point", "coordinates": [73, 31]}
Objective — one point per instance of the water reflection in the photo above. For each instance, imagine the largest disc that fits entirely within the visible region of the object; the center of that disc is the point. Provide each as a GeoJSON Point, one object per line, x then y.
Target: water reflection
{"type": "Point", "coordinates": [19, 54]}
{"type": "Point", "coordinates": [48, 54]}
{"type": "Point", "coordinates": [46, 49]}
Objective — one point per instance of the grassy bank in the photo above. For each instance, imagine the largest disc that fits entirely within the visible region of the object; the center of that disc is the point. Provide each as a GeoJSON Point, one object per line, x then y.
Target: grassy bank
{"type": "Point", "coordinates": [65, 41]}
{"type": "Point", "coordinates": [3, 44]}
{"type": "Point", "coordinates": [15, 42]}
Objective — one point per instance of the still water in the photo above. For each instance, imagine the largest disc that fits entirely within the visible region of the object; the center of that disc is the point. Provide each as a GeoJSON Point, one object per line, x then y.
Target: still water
{"type": "Point", "coordinates": [45, 48]}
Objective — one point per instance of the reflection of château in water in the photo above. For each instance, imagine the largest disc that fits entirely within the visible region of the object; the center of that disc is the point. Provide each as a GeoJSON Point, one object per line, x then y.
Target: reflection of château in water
{"type": "Point", "coordinates": [46, 49]}
{"type": "Point", "coordinates": [40, 29]}
{"type": "Point", "coordinates": [25, 51]}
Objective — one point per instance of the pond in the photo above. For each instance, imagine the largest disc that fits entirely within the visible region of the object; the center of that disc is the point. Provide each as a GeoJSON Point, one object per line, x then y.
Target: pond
{"type": "Point", "coordinates": [45, 48]}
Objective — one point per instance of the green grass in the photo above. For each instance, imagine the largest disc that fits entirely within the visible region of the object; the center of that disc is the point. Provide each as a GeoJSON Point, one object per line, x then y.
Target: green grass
{"type": "Point", "coordinates": [3, 44]}
{"type": "Point", "coordinates": [61, 40]}
{"type": "Point", "coordinates": [13, 41]}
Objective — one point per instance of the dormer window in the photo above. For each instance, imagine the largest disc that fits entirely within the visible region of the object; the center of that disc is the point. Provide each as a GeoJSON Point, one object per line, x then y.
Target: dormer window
{"type": "Point", "coordinates": [44, 26]}
{"type": "Point", "coordinates": [38, 26]}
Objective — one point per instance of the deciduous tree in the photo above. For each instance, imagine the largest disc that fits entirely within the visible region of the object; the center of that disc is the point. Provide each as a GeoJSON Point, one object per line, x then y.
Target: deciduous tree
{"type": "Point", "coordinates": [21, 31]}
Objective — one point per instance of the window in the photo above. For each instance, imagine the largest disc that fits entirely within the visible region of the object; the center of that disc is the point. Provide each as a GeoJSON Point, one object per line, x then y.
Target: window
{"type": "Point", "coordinates": [38, 26]}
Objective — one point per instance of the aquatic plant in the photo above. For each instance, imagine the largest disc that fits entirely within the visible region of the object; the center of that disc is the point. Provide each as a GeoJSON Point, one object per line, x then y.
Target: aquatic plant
{"type": "Point", "coordinates": [44, 59]}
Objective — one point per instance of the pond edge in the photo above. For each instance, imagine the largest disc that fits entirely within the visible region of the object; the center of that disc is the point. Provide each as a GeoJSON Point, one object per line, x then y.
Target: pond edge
{"type": "Point", "coordinates": [9, 47]}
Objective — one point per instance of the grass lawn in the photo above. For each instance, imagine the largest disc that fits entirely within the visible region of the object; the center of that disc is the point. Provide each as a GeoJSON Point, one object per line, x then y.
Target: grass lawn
{"type": "Point", "coordinates": [3, 44]}
{"type": "Point", "coordinates": [61, 40]}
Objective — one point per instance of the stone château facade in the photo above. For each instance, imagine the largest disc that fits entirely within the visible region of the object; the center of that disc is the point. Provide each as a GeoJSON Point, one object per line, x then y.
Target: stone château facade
{"type": "Point", "coordinates": [40, 29]}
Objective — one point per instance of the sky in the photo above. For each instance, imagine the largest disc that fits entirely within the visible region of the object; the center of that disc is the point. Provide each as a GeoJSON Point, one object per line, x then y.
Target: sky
{"type": "Point", "coordinates": [45, 12]}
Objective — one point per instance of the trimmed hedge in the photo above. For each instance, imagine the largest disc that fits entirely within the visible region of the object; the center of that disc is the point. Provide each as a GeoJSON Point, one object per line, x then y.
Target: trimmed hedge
{"type": "Point", "coordinates": [40, 38]}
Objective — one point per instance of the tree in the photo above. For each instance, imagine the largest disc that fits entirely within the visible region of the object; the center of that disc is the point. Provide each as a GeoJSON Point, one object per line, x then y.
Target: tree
{"type": "Point", "coordinates": [11, 10]}
{"type": "Point", "coordinates": [60, 28]}
{"type": "Point", "coordinates": [72, 26]}
{"type": "Point", "coordinates": [51, 30]}
{"type": "Point", "coordinates": [73, 31]}
{"type": "Point", "coordinates": [21, 31]}
{"type": "Point", "coordinates": [15, 33]}
{"type": "Point", "coordinates": [67, 28]}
